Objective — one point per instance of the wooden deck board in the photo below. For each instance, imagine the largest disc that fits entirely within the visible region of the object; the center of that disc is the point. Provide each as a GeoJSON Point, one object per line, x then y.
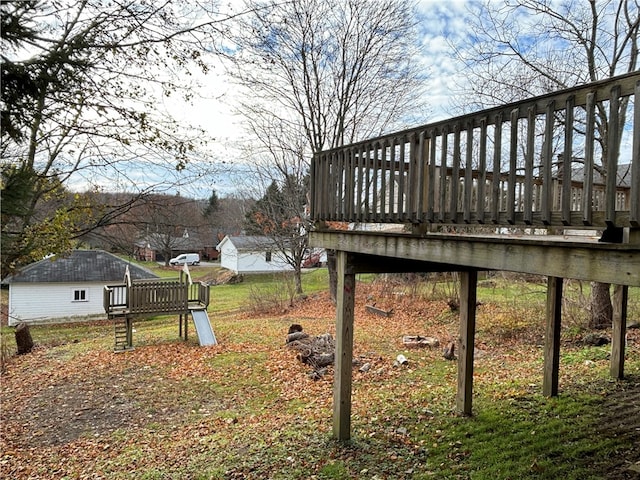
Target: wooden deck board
{"type": "Point", "coordinates": [559, 256]}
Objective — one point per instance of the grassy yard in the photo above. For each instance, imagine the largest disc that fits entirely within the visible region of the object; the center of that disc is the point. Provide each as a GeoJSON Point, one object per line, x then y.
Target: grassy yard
{"type": "Point", "coordinates": [248, 409]}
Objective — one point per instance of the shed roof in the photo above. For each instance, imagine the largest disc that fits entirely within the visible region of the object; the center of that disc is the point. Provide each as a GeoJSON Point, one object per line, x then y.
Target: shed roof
{"type": "Point", "coordinates": [160, 241]}
{"type": "Point", "coordinates": [249, 243]}
{"type": "Point", "coordinates": [79, 266]}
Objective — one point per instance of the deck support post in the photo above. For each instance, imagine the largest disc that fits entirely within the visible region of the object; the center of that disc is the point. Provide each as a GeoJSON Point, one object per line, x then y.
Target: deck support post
{"type": "Point", "coordinates": [620, 299]}
{"type": "Point", "coordinates": [129, 321]}
{"type": "Point", "coordinates": [468, 296]}
{"type": "Point", "coordinates": [344, 348]}
{"type": "Point", "coordinates": [552, 337]}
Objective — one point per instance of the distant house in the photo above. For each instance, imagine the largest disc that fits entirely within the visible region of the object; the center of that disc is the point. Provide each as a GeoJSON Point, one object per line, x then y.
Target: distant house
{"type": "Point", "coordinates": [252, 254]}
{"type": "Point", "coordinates": [154, 247]}
{"type": "Point", "coordinates": [66, 288]}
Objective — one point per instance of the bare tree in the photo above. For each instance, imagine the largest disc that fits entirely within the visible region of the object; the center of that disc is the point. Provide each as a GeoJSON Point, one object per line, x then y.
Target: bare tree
{"type": "Point", "coordinates": [322, 73]}
{"type": "Point", "coordinates": [83, 83]}
{"type": "Point", "coordinates": [522, 48]}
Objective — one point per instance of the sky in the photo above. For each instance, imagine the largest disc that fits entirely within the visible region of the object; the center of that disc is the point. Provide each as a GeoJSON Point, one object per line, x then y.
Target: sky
{"type": "Point", "coordinates": [214, 112]}
{"type": "Point", "coordinates": [442, 23]}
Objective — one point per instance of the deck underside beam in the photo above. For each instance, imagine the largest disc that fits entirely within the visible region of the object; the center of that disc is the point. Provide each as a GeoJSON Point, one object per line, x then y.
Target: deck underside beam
{"type": "Point", "coordinates": [618, 264]}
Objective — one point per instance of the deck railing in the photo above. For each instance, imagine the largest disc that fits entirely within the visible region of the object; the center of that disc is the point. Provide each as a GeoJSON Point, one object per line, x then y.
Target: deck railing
{"type": "Point", "coordinates": [154, 296]}
{"type": "Point", "coordinates": [540, 162]}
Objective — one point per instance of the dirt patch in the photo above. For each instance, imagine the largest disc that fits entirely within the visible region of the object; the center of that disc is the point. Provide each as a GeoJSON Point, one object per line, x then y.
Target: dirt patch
{"type": "Point", "coordinates": [81, 407]}
{"type": "Point", "coordinates": [65, 413]}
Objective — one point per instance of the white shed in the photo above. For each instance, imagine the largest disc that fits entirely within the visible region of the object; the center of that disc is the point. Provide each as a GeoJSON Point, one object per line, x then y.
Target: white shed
{"type": "Point", "coordinates": [66, 288]}
{"type": "Point", "coordinates": [252, 254]}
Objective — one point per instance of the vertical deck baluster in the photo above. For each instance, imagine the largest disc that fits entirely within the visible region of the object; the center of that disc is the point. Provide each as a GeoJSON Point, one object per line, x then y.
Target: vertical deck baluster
{"type": "Point", "coordinates": [443, 174]}
{"type": "Point", "coordinates": [323, 185]}
{"type": "Point", "coordinates": [334, 160]}
{"type": "Point", "coordinates": [495, 183]}
{"type": "Point", "coordinates": [373, 216]}
{"type": "Point", "coordinates": [340, 178]}
{"type": "Point", "coordinates": [468, 175]}
{"type": "Point", "coordinates": [455, 175]}
{"type": "Point", "coordinates": [513, 165]}
{"type": "Point", "coordinates": [402, 173]}
{"type": "Point", "coordinates": [547, 152]}
{"type": "Point", "coordinates": [367, 182]}
{"type": "Point", "coordinates": [482, 174]}
{"type": "Point", "coordinates": [431, 191]}
{"type": "Point", "coordinates": [412, 181]}
{"type": "Point", "coordinates": [350, 184]}
{"type": "Point", "coordinates": [613, 144]}
{"type": "Point", "coordinates": [528, 166]}
{"type": "Point", "coordinates": [567, 160]}
{"type": "Point", "coordinates": [634, 214]}
{"type": "Point", "coordinates": [359, 201]}
{"type": "Point", "coordinates": [421, 185]}
{"type": "Point", "coordinates": [313, 178]}
{"type": "Point", "coordinates": [325, 188]}
{"type": "Point", "coordinates": [392, 180]}
{"type": "Point", "coordinates": [383, 182]}
{"type": "Point", "coordinates": [587, 188]}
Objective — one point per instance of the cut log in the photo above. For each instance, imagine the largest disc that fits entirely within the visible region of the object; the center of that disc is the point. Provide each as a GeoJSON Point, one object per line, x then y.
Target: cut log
{"type": "Point", "coordinates": [320, 360]}
{"type": "Point", "coordinates": [420, 341]}
{"type": "Point", "coordinates": [23, 338]}
{"type": "Point", "coordinates": [292, 337]}
{"type": "Point", "coordinates": [379, 311]}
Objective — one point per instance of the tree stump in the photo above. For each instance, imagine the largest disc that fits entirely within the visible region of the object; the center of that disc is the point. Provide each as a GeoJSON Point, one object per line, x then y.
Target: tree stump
{"type": "Point", "coordinates": [23, 338]}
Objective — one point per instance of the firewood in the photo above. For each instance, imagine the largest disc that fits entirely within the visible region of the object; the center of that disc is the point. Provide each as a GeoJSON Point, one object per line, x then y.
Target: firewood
{"type": "Point", "coordinates": [292, 337]}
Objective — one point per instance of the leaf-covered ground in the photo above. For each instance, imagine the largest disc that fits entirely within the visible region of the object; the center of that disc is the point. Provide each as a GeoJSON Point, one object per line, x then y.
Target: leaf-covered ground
{"type": "Point", "coordinates": [248, 408]}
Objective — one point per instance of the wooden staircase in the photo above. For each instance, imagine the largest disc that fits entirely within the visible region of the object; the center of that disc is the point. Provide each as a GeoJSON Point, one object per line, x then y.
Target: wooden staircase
{"type": "Point", "coordinates": [123, 334]}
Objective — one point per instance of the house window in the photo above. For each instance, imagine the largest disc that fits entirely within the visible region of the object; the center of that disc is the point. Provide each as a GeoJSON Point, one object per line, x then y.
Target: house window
{"type": "Point", "coordinates": [80, 295]}
{"type": "Point", "coordinates": [267, 256]}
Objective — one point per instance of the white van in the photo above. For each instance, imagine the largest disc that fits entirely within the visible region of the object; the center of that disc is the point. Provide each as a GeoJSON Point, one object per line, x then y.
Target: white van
{"type": "Point", "coordinates": [188, 258]}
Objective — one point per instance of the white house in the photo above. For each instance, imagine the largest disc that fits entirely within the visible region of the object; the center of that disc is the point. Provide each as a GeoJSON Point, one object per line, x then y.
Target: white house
{"type": "Point", "coordinates": [66, 288]}
{"type": "Point", "coordinates": [247, 254]}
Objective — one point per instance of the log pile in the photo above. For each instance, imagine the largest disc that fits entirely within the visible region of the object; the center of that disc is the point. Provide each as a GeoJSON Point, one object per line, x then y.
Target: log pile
{"type": "Point", "coordinates": [316, 351]}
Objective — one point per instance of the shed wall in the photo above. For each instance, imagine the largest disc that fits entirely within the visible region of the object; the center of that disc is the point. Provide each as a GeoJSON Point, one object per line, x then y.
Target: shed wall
{"type": "Point", "coordinates": [255, 262]}
{"type": "Point", "coordinates": [44, 302]}
{"type": "Point", "coordinates": [251, 261]}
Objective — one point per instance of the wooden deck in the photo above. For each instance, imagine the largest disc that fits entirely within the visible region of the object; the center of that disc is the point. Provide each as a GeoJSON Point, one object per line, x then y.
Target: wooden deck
{"type": "Point", "coordinates": [528, 187]}
{"type": "Point", "coordinates": [534, 163]}
{"type": "Point", "coordinates": [154, 297]}
{"type": "Point", "coordinates": [147, 298]}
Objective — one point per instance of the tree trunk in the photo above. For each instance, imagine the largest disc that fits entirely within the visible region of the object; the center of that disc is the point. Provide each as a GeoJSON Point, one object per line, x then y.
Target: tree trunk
{"type": "Point", "coordinates": [23, 338]}
{"type": "Point", "coordinates": [297, 276]}
{"type": "Point", "coordinates": [601, 307]}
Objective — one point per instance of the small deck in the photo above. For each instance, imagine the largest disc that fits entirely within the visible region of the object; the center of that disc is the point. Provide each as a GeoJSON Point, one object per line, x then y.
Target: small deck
{"type": "Point", "coordinates": [528, 187]}
{"type": "Point", "coordinates": [145, 298]}
{"type": "Point", "coordinates": [154, 297]}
